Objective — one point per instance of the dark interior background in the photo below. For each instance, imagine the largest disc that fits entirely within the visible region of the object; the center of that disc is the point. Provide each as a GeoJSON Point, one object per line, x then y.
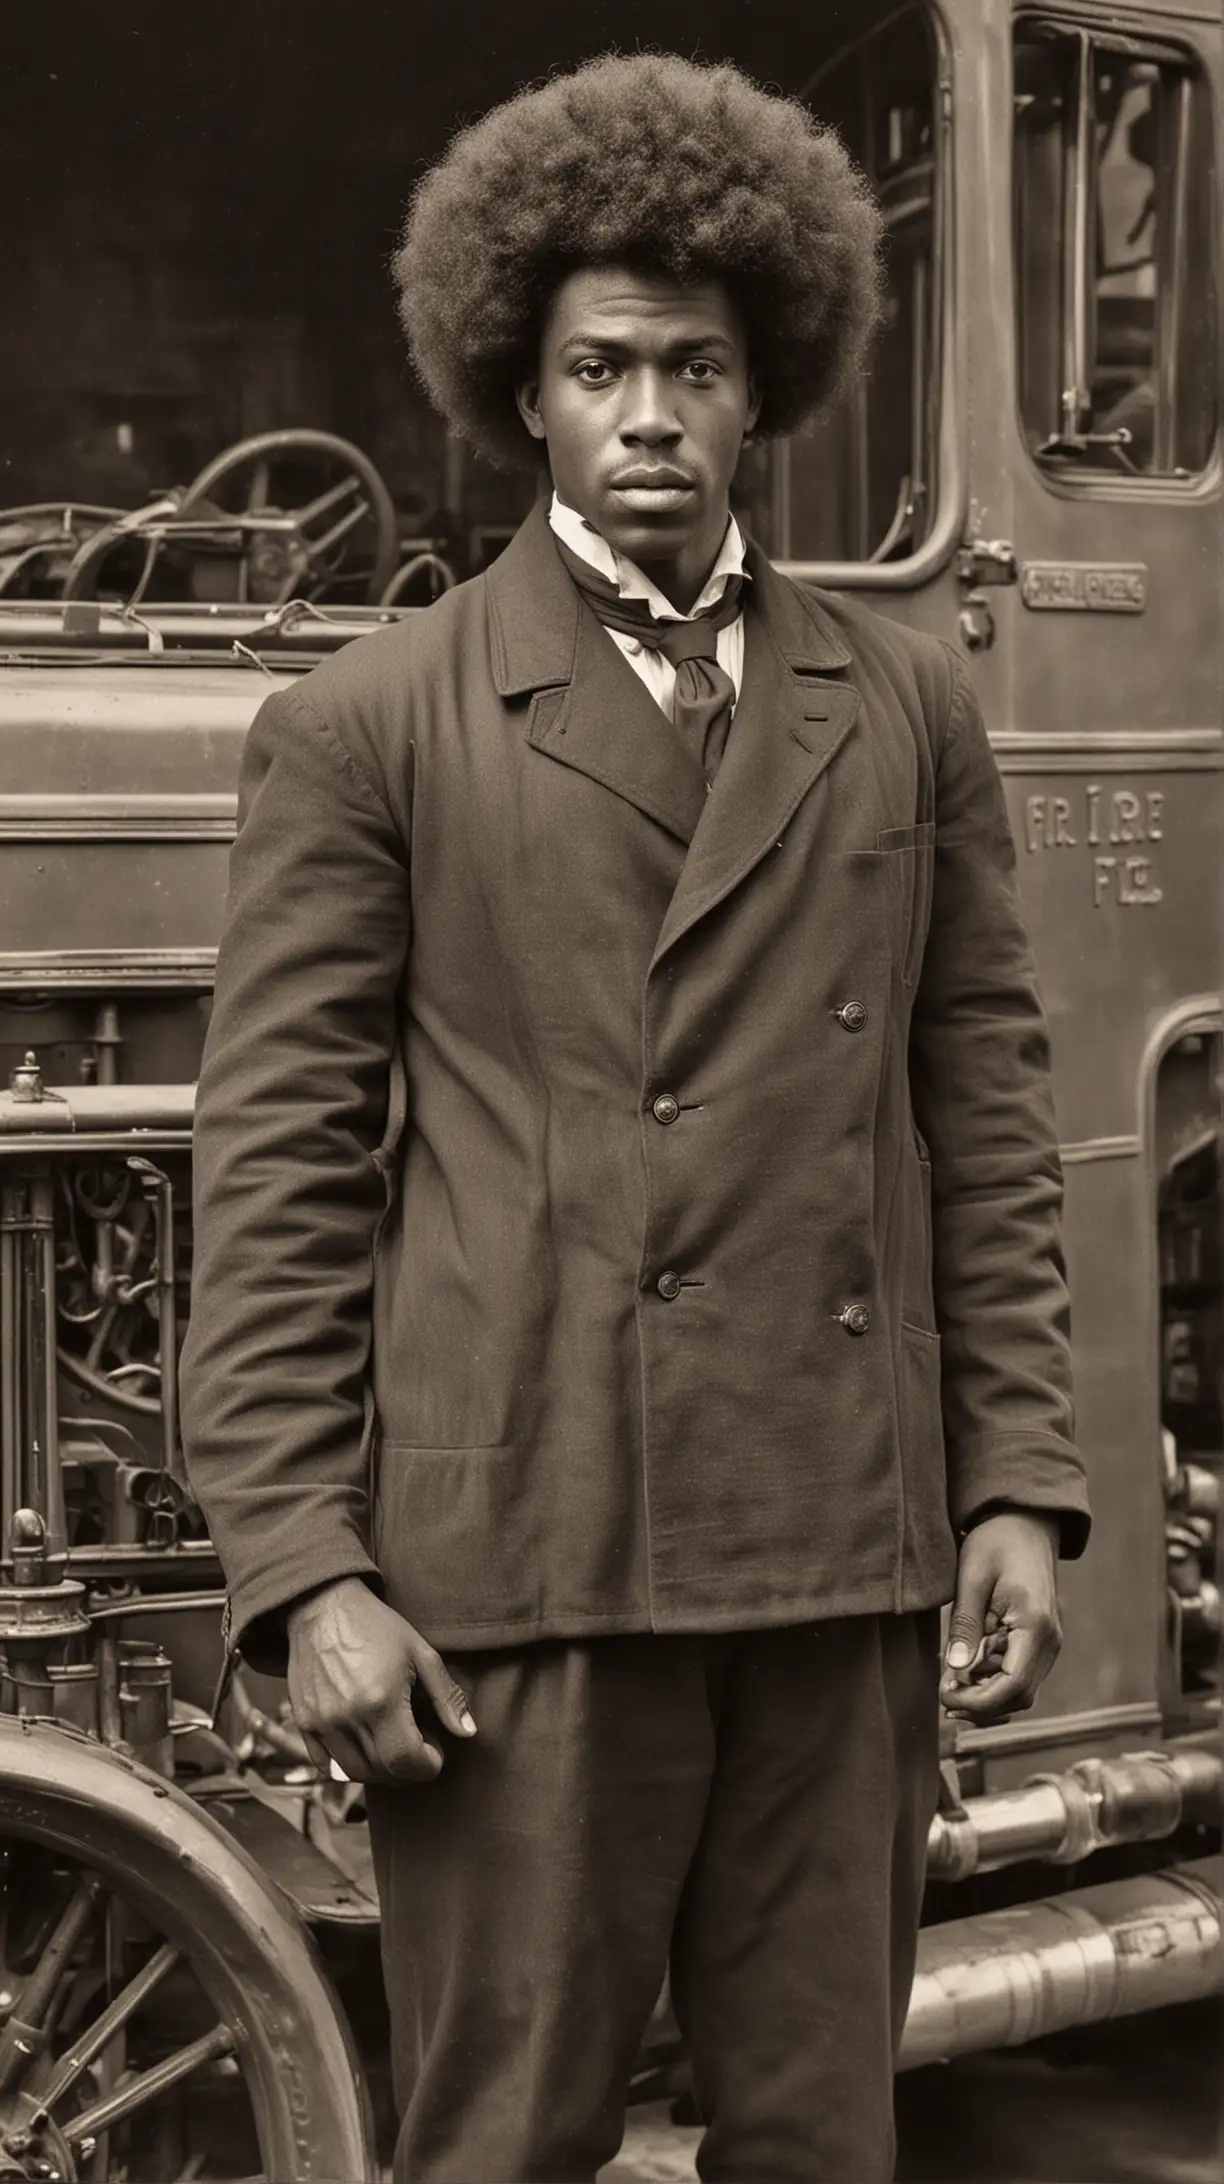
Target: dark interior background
{"type": "Point", "coordinates": [197, 206]}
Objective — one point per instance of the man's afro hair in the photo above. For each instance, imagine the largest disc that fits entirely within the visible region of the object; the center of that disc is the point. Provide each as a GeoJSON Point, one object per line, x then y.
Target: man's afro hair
{"type": "Point", "coordinates": [655, 162]}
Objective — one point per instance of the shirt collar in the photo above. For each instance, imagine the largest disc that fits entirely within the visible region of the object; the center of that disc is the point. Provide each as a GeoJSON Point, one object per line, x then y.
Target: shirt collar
{"type": "Point", "coordinates": [632, 582]}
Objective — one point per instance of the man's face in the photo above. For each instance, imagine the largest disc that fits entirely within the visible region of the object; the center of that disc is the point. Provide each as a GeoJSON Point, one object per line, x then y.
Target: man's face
{"type": "Point", "coordinates": [644, 397]}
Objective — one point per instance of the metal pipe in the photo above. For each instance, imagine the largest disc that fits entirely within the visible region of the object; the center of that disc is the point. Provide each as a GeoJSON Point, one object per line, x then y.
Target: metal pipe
{"type": "Point", "coordinates": [1138, 1798]}
{"type": "Point", "coordinates": [403, 576]}
{"type": "Point", "coordinates": [160, 1195]}
{"type": "Point", "coordinates": [51, 1480]}
{"type": "Point", "coordinates": [32, 1473]}
{"type": "Point", "coordinates": [108, 1040]}
{"type": "Point", "coordinates": [85, 1109]}
{"type": "Point", "coordinates": [1079, 159]}
{"type": "Point", "coordinates": [10, 1343]}
{"type": "Point", "coordinates": [1005, 1977]}
{"type": "Point", "coordinates": [172, 1603]}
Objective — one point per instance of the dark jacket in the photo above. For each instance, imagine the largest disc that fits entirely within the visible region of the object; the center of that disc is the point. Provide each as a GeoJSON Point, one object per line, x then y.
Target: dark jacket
{"type": "Point", "coordinates": [618, 1207]}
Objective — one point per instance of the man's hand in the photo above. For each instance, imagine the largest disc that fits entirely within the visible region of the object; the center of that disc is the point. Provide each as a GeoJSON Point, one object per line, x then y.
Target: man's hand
{"type": "Point", "coordinates": [353, 1663]}
{"type": "Point", "coordinates": [1004, 1635]}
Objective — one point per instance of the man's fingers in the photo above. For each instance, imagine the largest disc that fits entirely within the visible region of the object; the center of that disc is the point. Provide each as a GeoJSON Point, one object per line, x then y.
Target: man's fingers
{"type": "Point", "coordinates": [449, 1700]}
{"type": "Point", "coordinates": [391, 1750]}
{"type": "Point", "coordinates": [968, 1617]}
{"type": "Point", "coordinates": [338, 1747]}
{"type": "Point", "coordinates": [398, 1751]}
{"type": "Point", "coordinates": [994, 1699]}
{"type": "Point", "coordinates": [1015, 1681]}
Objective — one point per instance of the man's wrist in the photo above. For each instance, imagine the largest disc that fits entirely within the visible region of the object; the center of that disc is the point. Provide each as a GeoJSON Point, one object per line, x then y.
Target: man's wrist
{"type": "Point", "coordinates": [301, 1612]}
{"type": "Point", "coordinates": [1046, 1521]}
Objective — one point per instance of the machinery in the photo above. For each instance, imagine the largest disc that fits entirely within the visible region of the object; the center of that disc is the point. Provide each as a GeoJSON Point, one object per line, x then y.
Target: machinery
{"type": "Point", "coordinates": [1032, 470]}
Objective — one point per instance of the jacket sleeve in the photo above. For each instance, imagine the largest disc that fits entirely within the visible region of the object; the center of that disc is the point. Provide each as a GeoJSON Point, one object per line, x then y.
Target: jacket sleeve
{"type": "Point", "coordinates": [980, 1083]}
{"type": "Point", "coordinates": [287, 1189]}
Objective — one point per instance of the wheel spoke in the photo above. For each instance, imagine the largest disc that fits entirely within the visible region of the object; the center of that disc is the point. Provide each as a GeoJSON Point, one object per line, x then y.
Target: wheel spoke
{"type": "Point", "coordinates": [327, 501]}
{"type": "Point", "coordinates": [299, 564]}
{"type": "Point", "coordinates": [319, 547]}
{"type": "Point", "coordinates": [83, 2049]}
{"type": "Point", "coordinates": [257, 494]}
{"type": "Point", "coordinates": [23, 2033]}
{"type": "Point", "coordinates": [148, 2085]}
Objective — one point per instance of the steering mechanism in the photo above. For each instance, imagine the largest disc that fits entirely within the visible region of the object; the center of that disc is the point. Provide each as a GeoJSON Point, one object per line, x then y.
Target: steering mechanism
{"type": "Point", "coordinates": [249, 542]}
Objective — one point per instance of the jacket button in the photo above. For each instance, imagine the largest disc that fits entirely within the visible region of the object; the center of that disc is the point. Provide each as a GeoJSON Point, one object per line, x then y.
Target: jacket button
{"type": "Point", "coordinates": [668, 1285]}
{"type": "Point", "coordinates": [666, 1107]}
{"type": "Point", "coordinates": [856, 1319]}
{"type": "Point", "coordinates": [851, 1015]}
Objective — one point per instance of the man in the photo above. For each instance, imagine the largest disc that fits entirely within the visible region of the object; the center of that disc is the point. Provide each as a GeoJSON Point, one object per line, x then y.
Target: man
{"type": "Point", "coordinates": [626, 1074]}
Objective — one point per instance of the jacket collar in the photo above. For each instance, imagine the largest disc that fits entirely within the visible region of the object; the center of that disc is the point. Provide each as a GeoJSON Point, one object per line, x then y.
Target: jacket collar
{"type": "Point", "coordinates": [590, 711]}
{"type": "Point", "coordinates": [534, 614]}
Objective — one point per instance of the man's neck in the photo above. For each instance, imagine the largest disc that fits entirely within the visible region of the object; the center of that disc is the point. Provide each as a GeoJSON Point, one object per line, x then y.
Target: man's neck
{"type": "Point", "coordinates": [674, 579]}
{"type": "Point", "coordinates": [671, 577]}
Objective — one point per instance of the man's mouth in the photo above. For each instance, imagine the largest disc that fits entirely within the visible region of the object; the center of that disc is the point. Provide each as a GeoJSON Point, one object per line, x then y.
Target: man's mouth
{"type": "Point", "coordinates": [653, 489]}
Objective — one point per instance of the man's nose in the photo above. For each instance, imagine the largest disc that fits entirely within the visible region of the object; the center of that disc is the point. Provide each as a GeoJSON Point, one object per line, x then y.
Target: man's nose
{"type": "Point", "coordinates": [649, 418]}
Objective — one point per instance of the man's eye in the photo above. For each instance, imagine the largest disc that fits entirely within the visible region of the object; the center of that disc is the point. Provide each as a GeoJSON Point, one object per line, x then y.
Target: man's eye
{"type": "Point", "coordinates": [701, 369]}
{"type": "Point", "coordinates": [593, 372]}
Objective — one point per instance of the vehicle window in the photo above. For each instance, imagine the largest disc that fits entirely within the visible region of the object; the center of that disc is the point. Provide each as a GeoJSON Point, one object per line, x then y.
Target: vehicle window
{"type": "Point", "coordinates": [858, 486]}
{"type": "Point", "coordinates": [1115, 329]}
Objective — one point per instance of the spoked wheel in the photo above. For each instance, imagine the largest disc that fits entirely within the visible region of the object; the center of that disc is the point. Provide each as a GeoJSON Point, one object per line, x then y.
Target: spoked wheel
{"type": "Point", "coordinates": [163, 2014]}
{"type": "Point", "coordinates": [285, 515]}
{"type": "Point", "coordinates": [342, 536]}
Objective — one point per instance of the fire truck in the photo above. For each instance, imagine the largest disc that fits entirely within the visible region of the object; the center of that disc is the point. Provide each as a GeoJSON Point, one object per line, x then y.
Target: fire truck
{"type": "Point", "coordinates": [1030, 468]}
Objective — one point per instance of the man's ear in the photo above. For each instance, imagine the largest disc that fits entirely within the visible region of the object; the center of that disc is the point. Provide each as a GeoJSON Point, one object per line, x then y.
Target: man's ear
{"type": "Point", "coordinates": [755, 399]}
{"type": "Point", "coordinates": [527, 396]}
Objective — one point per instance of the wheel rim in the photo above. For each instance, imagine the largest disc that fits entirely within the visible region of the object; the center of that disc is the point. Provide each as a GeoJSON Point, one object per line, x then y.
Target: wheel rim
{"type": "Point", "coordinates": [153, 1940]}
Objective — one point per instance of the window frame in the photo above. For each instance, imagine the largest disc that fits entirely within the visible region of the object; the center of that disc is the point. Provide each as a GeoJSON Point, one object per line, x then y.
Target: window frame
{"type": "Point", "coordinates": [949, 481]}
{"type": "Point", "coordinates": [1085, 479]}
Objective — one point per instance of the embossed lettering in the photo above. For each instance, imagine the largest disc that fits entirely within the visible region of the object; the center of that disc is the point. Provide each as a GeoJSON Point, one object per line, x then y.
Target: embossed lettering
{"type": "Point", "coordinates": [1126, 818]}
{"type": "Point", "coordinates": [1047, 823]}
{"type": "Point", "coordinates": [1034, 822]}
{"type": "Point", "coordinates": [1126, 880]}
{"type": "Point", "coordinates": [1126, 813]}
{"type": "Point", "coordinates": [1135, 883]}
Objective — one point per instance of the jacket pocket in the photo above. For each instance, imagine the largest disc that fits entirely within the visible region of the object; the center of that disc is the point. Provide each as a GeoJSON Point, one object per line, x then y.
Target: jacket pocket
{"type": "Point", "coordinates": [457, 1535]}
{"type": "Point", "coordinates": [921, 836]}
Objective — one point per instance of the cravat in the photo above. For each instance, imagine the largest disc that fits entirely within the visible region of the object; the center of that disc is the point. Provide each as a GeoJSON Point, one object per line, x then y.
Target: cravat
{"type": "Point", "coordinates": [705, 693]}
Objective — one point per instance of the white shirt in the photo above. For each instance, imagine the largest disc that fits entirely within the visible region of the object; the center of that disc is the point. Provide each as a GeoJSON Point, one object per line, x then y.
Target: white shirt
{"type": "Point", "coordinates": [657, 673]}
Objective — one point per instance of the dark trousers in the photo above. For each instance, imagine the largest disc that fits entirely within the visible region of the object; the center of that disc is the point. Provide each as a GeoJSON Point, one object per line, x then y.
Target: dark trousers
{"type": "Point", "coordinates": [752, 1808]}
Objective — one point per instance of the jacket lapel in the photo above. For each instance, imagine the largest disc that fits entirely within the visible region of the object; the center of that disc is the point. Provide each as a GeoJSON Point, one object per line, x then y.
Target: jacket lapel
{"type": "Point", "coordinates": [790, 721]}
{"type": "Point", "coordinates": [589, 710]}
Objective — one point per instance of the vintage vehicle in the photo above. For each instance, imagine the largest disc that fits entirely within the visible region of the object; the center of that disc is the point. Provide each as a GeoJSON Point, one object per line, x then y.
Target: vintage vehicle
{"type": "Point", "coordinates": [1031, 469]}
